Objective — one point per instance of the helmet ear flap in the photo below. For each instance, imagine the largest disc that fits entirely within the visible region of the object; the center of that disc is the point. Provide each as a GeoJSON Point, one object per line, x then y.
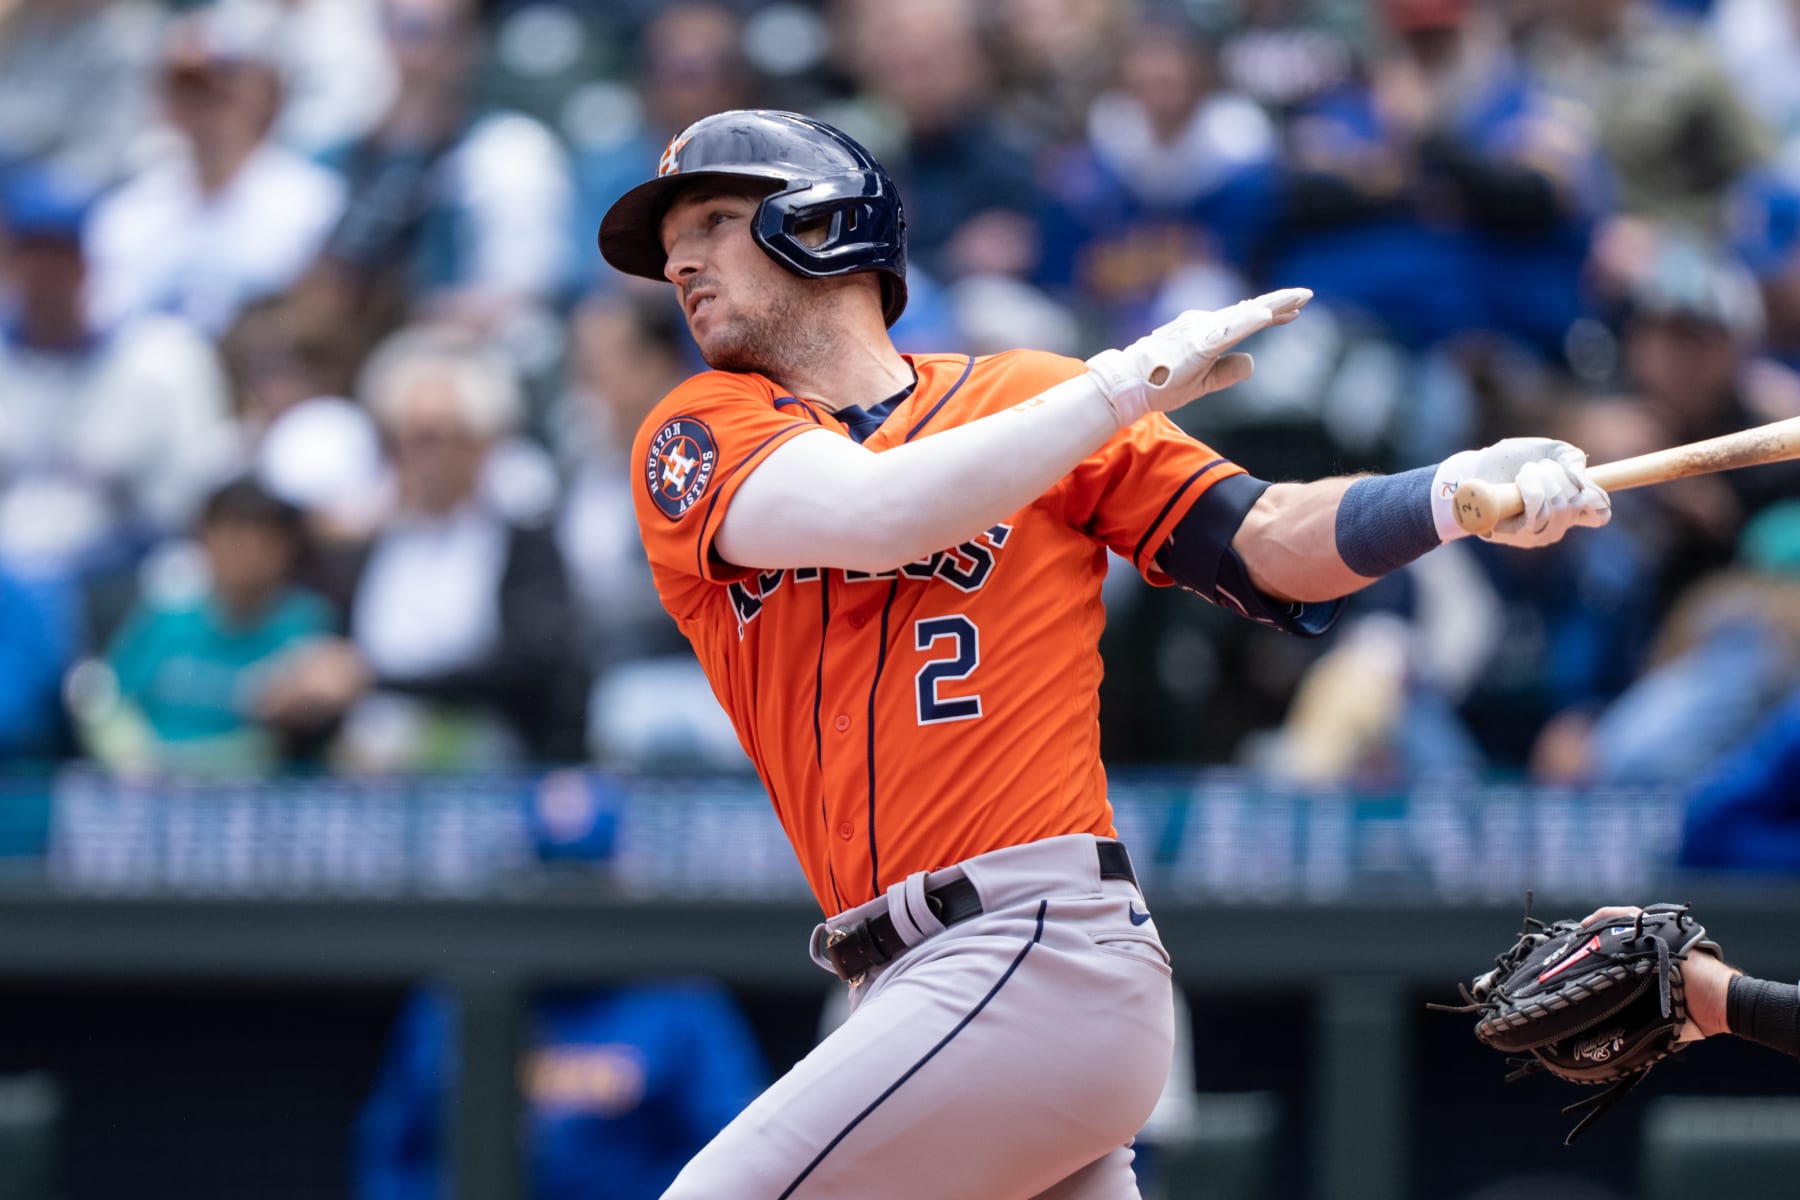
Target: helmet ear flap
{"type": "Point", "coordinates": [834, 228]}
{"type": "Point", "coordinates": [864, 230]}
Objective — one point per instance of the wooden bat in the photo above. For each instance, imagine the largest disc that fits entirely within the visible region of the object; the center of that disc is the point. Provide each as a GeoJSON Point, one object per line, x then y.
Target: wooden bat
{"type": "Point", "coordinates": [1481, 505]}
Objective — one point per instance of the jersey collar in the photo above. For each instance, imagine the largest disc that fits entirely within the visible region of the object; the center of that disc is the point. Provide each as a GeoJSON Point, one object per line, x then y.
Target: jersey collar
{"type": "Point", "coordinates": [862, 423]}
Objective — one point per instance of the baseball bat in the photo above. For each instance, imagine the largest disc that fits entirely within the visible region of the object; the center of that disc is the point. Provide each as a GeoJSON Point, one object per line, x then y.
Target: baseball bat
{"type": "Point", "coordinates": [1481, 505]}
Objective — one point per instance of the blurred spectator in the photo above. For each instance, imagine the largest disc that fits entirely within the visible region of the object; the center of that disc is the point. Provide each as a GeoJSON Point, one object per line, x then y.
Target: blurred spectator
{"type": "Point", "coordinates": [339, 77]}
{"type": "Point", "coordinates": [187, 673]}
{"type": "Point", "coordinates": [689, 64]}
{"type": "Point", "coordinates": [1727, 654]}
{"type": "Point", "coordinates": [1692, 321]}
{"type": "Point", "coordinates": [1758, 43]}
{"type": "Point", "coordinates": [1575, 629]}
{"type": "Point", "coordinates": [651, 702]}
{"type": "Point", "coordinates": [1449, 173]}
{"type": "Point", "coordinates": [1690, 324]}
{"type": "Point", "coordinates": [1054, 57]}
{"type": "Point", "coordinates": [463, 212]}
{"type": "Point", "coordinates": [309, 445]}
{"type": "Point", "coordinates": [74, 84]}
{"type": "Point", "coordinates": [621, 1086]}
{"type": "Point", "coordinates": [226, 216]}
{"type": "Point", "coordinates": [1745, 814]}
{"type": "Point", "coordinates": [1174, 173]}
{"type": "Point", "coordinates": [109, 434]}
{"type": "Point", "coordinates": [37, 645]}
{"type": "Point", "coordinates": [1286, 53]}
{"type": "Point", "coordinates": [625, 356]}
{"type": "Point", "coordinates": [1673, 127]}
{"type": "Point", "coordinates": [1380, 703]}
{"type": "Point", "coordinates": [968, 185]}
{"type": "Point", "coordinates": [460, 620]}
{"type": "Point", "coordinates": [1764, 219]}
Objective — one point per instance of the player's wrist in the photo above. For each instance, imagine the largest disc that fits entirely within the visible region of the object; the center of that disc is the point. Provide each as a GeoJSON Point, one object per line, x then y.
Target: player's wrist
{"type": "Point", "coordinates": [1386, 521]}
{"type": "Point", "coordinates": [1450, 473]}
{"type": "Point", "coordinates": [1126, 392]}
{"type": "Point", "coordinates": [1707, 980]}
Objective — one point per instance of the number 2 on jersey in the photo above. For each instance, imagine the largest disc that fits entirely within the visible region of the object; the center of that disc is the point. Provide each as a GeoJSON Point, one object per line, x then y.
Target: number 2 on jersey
{"type": "Point", "coordinates": [964, 657]}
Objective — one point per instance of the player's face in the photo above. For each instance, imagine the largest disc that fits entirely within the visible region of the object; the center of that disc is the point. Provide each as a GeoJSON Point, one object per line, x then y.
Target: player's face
{"type": "Point", "coordinates": [746, 313]}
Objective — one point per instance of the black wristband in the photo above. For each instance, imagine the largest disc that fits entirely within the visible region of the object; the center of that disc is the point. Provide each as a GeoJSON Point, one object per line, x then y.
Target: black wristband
{"type": "Point", "coordinates": [1764, 1012]}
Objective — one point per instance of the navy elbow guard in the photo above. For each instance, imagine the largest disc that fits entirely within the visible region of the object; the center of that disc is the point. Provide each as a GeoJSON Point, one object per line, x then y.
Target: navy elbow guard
{"type": "Point", "coordinates": [1199, 557]}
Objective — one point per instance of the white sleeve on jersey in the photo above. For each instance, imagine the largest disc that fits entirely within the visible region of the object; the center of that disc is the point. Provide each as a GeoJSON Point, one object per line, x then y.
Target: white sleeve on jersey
{"type": "Point", "coordinates": [822, 500]}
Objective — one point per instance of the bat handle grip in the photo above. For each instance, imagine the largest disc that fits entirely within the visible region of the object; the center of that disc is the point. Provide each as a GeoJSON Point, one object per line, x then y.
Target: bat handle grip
{"type": "Point", "coordinates": [1480, 505]}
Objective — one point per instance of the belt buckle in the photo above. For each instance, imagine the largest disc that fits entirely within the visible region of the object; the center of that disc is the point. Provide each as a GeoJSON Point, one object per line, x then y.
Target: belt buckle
{"type": "Point", "coordinates": [832, 938]}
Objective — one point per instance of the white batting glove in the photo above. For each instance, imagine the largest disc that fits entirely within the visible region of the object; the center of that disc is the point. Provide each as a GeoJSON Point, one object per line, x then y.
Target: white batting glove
{"type": "Point", "coordinates": [1186, 358]}
{"type": "Point", "coordinates": [1553, 482]}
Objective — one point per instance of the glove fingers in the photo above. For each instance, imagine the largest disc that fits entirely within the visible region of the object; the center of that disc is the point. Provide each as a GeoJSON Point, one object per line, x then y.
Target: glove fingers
{"type": "Point", "coordinates": [1229, 327]}
{"type": "Point", "coordinates": [1594, 508]}
{"type": "Point", "coordinates": [1186, 357]}
{"type": "Point", "coordinates": [1573, 459]}
{"type": "Point", "coordinates": [1284, 304]}
{"type": "Point", "coordinates": [1537, 483]}
{"type": "Point", "coordinates": [1556, 494]}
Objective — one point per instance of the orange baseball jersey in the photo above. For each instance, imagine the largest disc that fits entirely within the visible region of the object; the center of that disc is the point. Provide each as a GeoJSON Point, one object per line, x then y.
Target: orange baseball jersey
{"type": "Point", "coordinates": [907, 720]}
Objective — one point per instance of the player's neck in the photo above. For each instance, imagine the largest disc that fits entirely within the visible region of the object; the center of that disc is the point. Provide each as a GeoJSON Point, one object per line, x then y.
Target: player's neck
{"type": "Point", "coordinates": [864, 371]}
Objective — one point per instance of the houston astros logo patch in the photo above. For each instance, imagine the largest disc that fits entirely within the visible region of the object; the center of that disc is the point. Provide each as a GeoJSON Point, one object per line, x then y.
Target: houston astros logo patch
{"type": "Point", "coordinates": [680, 465]}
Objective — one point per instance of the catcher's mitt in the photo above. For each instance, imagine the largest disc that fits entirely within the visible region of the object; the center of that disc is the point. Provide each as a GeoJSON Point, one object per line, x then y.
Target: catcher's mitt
{"type": "Point", "coordinates": [1595, 1004]}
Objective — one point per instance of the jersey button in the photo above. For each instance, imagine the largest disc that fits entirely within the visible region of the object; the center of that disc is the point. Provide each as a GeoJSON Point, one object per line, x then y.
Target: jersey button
{"type": "Point", "coordinates": [845, 831]}
{"type": "Point", "coordinates": [858, 620]}
{"type": "Point", "coordinates": [842, 723]}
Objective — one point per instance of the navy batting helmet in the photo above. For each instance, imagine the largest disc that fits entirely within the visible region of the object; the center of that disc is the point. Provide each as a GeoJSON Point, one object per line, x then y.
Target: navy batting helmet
{"type": "Point", "coordinates": [813, 173]}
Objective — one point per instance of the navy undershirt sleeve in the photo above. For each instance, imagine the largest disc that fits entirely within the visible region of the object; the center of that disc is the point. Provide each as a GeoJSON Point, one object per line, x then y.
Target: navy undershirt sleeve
{"type": "Point", "coordinates": [1764, 1012]}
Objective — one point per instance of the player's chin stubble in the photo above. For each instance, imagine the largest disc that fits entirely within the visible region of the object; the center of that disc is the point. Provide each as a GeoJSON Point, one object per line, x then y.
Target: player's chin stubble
{"type": "Point", "coordinates": [780, 337]}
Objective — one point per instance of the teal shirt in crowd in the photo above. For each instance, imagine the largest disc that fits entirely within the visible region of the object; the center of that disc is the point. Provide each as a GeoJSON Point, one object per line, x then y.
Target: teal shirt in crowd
{"type": "Point", "coordinates": [194, 675]}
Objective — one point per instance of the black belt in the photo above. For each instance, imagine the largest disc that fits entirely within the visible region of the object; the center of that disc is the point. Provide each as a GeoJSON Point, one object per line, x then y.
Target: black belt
{"type": "Point", "coordinates": [870, 942]}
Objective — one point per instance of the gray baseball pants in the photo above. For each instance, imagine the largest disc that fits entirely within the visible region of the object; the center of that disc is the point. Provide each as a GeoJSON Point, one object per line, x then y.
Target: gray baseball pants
{"type": "Point", "coordinates": [1011, 1056]}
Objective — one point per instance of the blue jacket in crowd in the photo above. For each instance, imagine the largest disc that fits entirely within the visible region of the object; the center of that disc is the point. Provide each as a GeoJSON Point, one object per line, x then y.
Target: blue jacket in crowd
{"type": "Point", "coordinates": [622, 1087]}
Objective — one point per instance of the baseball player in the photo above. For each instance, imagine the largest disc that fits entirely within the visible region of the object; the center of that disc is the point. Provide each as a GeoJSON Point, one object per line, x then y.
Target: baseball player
{"type": "Point", "coordinates": [890, 567]}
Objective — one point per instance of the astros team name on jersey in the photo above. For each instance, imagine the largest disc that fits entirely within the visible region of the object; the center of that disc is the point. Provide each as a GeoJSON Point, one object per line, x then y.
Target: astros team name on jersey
{"type": "Point", "coordinates": [965, 567]}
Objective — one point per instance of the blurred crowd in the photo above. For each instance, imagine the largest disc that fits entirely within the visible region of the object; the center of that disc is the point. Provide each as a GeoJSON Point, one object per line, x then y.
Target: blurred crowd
{"type": "Point", "coordinates": [316, 398]}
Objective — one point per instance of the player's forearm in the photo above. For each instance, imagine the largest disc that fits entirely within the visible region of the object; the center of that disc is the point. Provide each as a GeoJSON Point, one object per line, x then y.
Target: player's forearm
{"type": "Point", "coordinates": [1319, 541]}
{"type": "Point", "coordinates": [1289, 542]}
{"type": "Point", "coordinates": [823, 501]}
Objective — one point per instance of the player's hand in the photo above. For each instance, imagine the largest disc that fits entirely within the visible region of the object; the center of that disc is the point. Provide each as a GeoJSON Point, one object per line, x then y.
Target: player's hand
{"type": "Point", "coordinates": [1705, 977]}
{"type": "Point", "coordinates": [1553, 482]}
{"type": "Point", "coordinates": [1187, 358]}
